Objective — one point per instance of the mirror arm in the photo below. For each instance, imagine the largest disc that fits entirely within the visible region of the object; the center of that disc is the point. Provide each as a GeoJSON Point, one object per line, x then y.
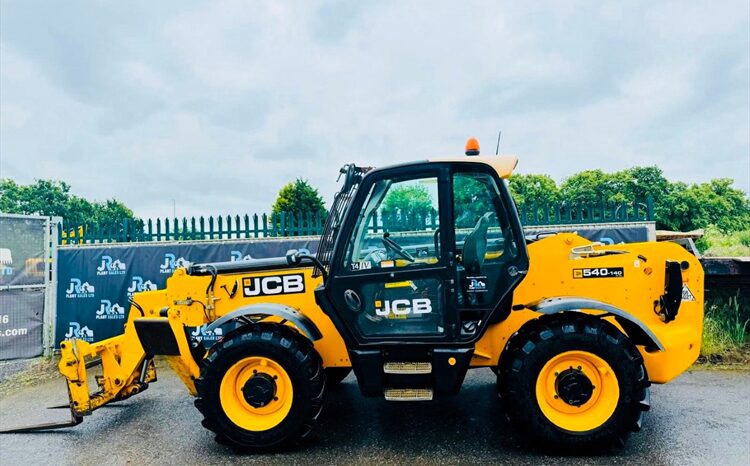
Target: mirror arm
{"type": "Point", "coordinates": [294, 257]}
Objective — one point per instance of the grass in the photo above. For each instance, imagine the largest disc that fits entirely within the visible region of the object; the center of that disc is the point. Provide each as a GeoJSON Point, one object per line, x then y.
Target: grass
{"type": "Point", "coordinates": [42, 369]}
{"type": "Point", "coordinates": [716, 243]}
{"type": "Point", "coordinates": [725, 329]}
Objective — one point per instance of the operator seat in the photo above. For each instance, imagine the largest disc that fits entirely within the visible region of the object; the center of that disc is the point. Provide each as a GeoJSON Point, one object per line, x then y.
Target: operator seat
{"type": "Point", "coordinates": [475, 245]}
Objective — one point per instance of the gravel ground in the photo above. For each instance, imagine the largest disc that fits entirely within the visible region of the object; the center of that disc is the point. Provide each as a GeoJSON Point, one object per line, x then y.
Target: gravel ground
{"type": "Point", "coordinates": [701, 418]}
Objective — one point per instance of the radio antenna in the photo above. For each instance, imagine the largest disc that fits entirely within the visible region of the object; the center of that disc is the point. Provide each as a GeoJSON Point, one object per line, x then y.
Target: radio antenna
{"type": "Point", "coordinates": [497, 149]}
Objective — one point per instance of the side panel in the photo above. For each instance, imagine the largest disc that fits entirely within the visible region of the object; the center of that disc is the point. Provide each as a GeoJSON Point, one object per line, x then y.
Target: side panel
{"type": "Point", "coordinates": [292, 287]}
{"type": "Point", "coordinates": [632, 282]}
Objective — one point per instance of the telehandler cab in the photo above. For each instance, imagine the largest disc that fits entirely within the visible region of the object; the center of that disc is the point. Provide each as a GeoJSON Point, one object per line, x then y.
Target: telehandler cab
{"type": "Point", "coordinates": [422, 272]}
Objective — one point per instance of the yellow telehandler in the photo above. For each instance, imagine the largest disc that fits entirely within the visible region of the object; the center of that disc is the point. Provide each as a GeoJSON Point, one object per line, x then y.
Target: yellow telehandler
{"type": "Point", "coordinates": [422, 272]}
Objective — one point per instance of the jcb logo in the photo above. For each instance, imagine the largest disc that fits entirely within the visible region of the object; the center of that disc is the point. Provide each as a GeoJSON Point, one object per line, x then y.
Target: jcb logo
{"type": "Point", "coordinates": [273, 285]}
{"type": "Point", "coordinates": [402, 307]}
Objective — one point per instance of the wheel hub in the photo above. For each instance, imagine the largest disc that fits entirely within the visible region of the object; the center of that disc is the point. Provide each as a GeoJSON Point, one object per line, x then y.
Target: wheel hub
{"type": "Point", "coordinates": [259, 390]}
{"type": "Point", "coordinates": [574, 387]}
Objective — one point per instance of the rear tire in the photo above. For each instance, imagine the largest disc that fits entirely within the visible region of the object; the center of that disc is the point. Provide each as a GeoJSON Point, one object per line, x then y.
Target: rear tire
{"type": "Point", "coordinates": [261, 388]}
{"type": "Point", "coordinates": [573, 382]}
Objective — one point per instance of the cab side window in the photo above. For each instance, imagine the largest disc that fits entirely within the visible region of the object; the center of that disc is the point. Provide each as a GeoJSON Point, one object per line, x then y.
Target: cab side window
{"type": "Point", "coordinates": [398, 226]}
{"type": "Point", "coordinates": [484, 240]}
{"type": "Point", "coordinates": [480, 218]}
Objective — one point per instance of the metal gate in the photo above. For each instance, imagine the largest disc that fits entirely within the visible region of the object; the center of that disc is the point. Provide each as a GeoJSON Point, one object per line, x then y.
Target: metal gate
{"type": "Point", "coordinates": [28, 280]}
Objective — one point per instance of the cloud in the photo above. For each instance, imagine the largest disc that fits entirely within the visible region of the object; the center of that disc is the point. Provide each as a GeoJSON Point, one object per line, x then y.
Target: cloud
{"type": "Point", "coordinates": [218, 104]}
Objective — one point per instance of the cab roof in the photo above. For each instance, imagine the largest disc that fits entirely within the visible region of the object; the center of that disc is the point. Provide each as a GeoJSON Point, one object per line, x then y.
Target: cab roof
{"type": "Point", "coordinates": [502, 164]}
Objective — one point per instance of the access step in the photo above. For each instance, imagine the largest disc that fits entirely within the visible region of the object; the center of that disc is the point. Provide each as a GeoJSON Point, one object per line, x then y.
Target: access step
{"type": "Point", "coordinates": [408, 394]}
{"type": "Point", "coordinates": [407, 368]}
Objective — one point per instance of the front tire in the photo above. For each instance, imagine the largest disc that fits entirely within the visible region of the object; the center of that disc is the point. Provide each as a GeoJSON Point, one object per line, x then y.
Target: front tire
{"type": "Point", "coordinates": [261, 387]}
{"type": "Point", "coordinates": [573, 382]}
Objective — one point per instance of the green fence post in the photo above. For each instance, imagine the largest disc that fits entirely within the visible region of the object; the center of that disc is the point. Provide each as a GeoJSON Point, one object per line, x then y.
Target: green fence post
{"type": "Point", "coordinates": [124, 232]}
{"type": "Point", "coordinates": [317, 224]}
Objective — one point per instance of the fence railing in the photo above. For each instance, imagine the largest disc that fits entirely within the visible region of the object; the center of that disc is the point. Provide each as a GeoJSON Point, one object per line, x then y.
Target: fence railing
{"type": "Point", "coordinates": [304, 224]}
{"type": "Point", "coordinates": [533, 214]}
{"type": "Point", "coordinates": [201, 228]}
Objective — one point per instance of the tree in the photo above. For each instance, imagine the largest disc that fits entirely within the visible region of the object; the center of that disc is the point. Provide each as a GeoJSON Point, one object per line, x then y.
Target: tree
{"type": "Point", "coordinates": [298, 197]}
{"type": "Point", "coordinates": [53, 198]}
{"type": "Point", "coordinates": [408, 201]}
{"type": "Point", "coordinates": [471, 199]}
{"type": "Point", "coordinates": [538, 189]}
{"type": "Point", "coordinates": [406, 207]}
{"type": "Point", "coordinates": [637, 183]}
{"type": "Point", "coordinates": [677, 206]}
{"type": "Point", "coordinates": [714, 203]}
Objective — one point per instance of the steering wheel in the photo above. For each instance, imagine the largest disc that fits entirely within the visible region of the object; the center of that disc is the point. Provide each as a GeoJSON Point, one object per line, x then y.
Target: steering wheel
{"type": "Point", "coordinates": [396, 248]}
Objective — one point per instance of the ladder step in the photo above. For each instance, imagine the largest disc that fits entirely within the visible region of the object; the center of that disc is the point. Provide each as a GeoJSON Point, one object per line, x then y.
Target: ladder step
{"type": "Point", "coordinates": [407, 368]}
{"type": "Point", "coordinates": [408, 394]}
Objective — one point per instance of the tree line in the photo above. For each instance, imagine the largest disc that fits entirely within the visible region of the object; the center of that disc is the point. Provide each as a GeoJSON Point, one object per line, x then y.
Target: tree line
{"type": "Point", "coordinates": [677, 206]}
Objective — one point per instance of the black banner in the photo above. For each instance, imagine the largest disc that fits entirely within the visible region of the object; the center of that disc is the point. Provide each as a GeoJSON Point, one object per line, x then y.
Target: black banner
{"type": "Point", "coordinates": [21, 323]}
{"type": "Point", "coordinates": [604, 234]}
{"type": "Point", "coordinates": [94, 282]}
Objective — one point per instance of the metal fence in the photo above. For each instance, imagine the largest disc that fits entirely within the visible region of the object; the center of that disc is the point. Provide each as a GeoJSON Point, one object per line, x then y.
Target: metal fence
{"type": "Point", "coordinates": [288, 224]}
{"type": "Point", "coordinates": [27, 284]}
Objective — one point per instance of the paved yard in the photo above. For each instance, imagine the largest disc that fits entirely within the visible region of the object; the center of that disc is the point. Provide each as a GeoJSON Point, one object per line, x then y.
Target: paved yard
{"type": "Point", "coordinates": [701, 418]}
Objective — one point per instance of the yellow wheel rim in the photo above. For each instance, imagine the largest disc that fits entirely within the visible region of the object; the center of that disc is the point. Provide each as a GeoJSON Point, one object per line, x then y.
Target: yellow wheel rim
{"type": "Point", "coordinates": [236, 407]}
{"type": "Point", "coordinates": [592, 413]}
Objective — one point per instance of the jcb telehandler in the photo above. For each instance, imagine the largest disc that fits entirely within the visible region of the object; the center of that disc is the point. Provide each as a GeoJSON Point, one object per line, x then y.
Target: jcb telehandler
{"type": "Point", "coordinates": [422, 272]}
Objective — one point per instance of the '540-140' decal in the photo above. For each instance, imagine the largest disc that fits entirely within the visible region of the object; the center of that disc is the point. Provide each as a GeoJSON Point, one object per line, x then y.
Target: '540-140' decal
{"type": "Point", "coordinates": [599, 272]}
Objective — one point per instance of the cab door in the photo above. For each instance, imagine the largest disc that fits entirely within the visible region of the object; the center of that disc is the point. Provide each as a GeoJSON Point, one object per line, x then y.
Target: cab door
{"type": "Point", "coordinates": [392, 276]}
{"type": "Point", "coordinates": [489, 247]}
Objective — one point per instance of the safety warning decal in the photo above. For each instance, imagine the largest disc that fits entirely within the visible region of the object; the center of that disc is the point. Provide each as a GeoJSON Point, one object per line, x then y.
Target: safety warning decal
{"type": "Point", "coordinates": [687, 295]}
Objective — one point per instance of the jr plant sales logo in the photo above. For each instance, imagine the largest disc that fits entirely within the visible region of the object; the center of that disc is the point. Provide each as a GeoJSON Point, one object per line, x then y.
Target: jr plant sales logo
{"type": "Point", "coordinates": [108, 310]}
{"type": "Point", "coordinates": [6, 262]}
{"type": "Point", "coordinates": [237, 256]}
{"type": "Point", "coordinates": [82, 333]}
{"type": "Point", "coordinates": [78, 289]}
{"type": "Point", "coordinates": [138, 284]}
{"type": "Point", "coordinates": [109, 266]}
{"type": "Point", "coordinates": [172, 262]}
{"type": "Point", "coordinates": [203, 334]}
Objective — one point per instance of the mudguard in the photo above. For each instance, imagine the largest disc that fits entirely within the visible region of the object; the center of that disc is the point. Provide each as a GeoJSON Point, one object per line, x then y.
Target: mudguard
{"type": "Point", "coordinates": [305, 325]}
{"type": "Point", "coordinates": [636, 330]}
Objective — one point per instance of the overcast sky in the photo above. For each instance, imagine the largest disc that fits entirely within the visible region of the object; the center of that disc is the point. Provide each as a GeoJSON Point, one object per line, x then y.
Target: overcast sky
{"type": "Point", "coordinates": [217, 104]}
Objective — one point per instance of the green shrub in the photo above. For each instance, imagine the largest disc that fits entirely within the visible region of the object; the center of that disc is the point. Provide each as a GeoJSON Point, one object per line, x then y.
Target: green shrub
{"type": "Point", "coordinates": [715, 243]}
{"type": "Point", "coordinates": [726, 325]}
